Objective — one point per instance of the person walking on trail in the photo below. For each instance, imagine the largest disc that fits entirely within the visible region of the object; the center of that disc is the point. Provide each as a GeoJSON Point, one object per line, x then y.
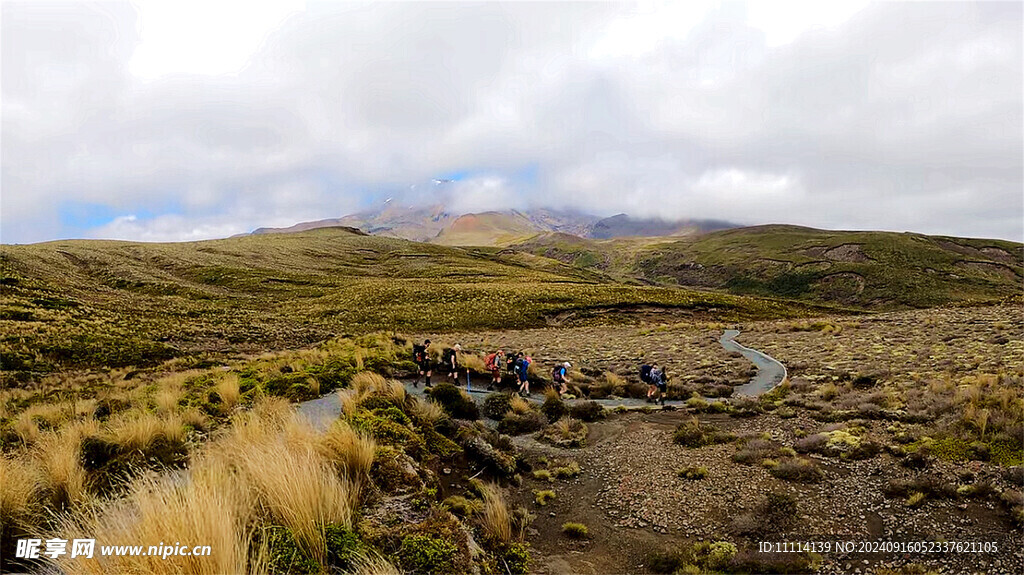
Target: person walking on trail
{"type": "Point", "coordinates": [450, 356]}
{"type": "Point", "coordinates": [560, 375]}
{"type": "Point", "coordinates": [660, 381]}
{"type": "Point", "coordinates": [493, 364]}
{"type": "Point", "coordinates": [645, 377]}
{"type": "Point", "coordinates": [421, 357]}
{"type": "Point", "coordinates": [523, 371]}
{"type": "Point", "coordinates": [510, 364]}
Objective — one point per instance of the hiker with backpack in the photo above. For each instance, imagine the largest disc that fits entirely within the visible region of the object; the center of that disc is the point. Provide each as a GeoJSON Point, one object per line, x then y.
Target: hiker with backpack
{"type": "Point", "coordinates": [660, 381]}
{"type": "Point", "coordinates": [523, 372]}
{"type": "Point", "coordinates": [510, 364]}
{"type": "Point", "coordinates": [560, 375]}
{"type": "Point", "coordinates": [645, 377]}
{"type": "Point", "coordinates": [450, 358]}
{"type": "Point", "coordinates": [421, 357]}
{"type": "Point", "coordinates": [493, 363]}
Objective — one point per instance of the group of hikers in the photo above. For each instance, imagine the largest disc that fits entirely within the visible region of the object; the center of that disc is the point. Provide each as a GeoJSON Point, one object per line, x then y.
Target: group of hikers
{"type": "Point", "coordinates": [518, 366]}
{"type": "Point", "coordinates": [515, 364]}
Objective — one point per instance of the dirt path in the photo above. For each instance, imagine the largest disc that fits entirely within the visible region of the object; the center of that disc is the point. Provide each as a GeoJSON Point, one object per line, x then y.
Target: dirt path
{"type": "Point", "coordinates": [770, 372]}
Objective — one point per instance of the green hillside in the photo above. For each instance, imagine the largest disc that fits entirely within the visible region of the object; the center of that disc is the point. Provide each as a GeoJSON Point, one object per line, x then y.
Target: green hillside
{"type": "Point", "coordinates": [877, 270]}
{"type": "Point", "coordinates": [110, 303]}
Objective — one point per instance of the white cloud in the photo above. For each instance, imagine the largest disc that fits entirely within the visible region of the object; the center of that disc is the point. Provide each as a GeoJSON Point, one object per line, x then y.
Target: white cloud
{"type": "Point", "coordinates": [891, 115]}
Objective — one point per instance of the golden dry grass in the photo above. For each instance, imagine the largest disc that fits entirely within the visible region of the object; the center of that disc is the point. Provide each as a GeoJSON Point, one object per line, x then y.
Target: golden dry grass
{"type": "Point", "coordinates": [351, 451]}
{"type": "Point", "coordinates": [22, 484]}
{"type": "Point", "coordinates": [58, 455]}
{"type": "Point", "coordinates": [301, 490]}
{"type": "Point", "coordinates": [427, 412]}
{"type": "Point", "coordinates": [228, 390]}
{"type": "Point", "coordinates": [495, 519]}
{"type": "Point", "coordinates": [212, 507]}
{"type": "Point", "coordinates": [519, 405]}
{"type": "Point", "coordinates": [138, 429]}
{"type": "Point", "coordinates": [373, 564]}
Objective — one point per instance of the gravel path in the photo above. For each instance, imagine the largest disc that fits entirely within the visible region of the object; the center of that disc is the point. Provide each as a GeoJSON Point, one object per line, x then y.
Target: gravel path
{"type": "Point", "coordinates": [770, 372]}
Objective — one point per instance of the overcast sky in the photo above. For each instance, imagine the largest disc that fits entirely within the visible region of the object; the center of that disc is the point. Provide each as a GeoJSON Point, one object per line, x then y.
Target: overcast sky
{"type": "Point", "coordinates": [189, 119]}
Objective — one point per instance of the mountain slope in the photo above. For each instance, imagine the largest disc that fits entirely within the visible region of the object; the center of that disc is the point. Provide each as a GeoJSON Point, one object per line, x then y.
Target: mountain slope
{"type": "Point", "coordinates": [880, 270]}
{"type": "Point", "coordinates": [487, 229]}
{"type": "Point", "coordinates": [622, 225]}
{"type": "Point", "coordinates": [434, 224]}
{"type": "Point", "coordinates": [111, 303]}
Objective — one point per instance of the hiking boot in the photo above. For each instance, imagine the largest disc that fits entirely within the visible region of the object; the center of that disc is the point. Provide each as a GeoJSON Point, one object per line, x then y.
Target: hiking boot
{"type": "Point", "coordinates": [663, 401]}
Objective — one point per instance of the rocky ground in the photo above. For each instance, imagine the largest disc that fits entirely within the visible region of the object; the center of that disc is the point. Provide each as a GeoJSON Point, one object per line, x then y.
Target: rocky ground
{"type": "Point", "coordinates": [631, 498]}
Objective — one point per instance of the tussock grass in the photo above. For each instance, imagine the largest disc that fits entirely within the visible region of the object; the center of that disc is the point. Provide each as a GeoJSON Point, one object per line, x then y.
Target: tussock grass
{"type": "Point", "coordinates": [351, 451]}
{"type": "Point", "coordinates": [137, 430]}
{"type": "Point", "coordinates": [22, 484]}
{"type": "Point", "coordinates": [166, 399]}
{"type": "Point", "coordinates": [495, 519]}
{"type": "Point", "coordinates": [520, 406]}
{"type": "Point", "coordinates": [300, 490]}
{"type": "Point", "coordinates": [229, 391]}
{"type": "Point", "coordinates": [59, 457]}
{"type": "Point", "coordinates": [472, 362]}
{"type": "Point", "coordinates": [575, 530]}
{"type": "Point", "coordinates": [427, 412]}
{"type": "Point", "coordinates": [214, 507]}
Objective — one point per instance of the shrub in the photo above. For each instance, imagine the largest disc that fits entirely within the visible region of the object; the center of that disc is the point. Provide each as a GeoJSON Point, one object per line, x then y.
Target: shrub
{"type": "Point", "coordinates": [575, 530]}
{"type": "Point", "coordinates": [666, 563]}
{"type": "Point", "coordinates": [587, 411]}
{"type": "Point", "coordinates": [542, 475]}
{"type": "Point", "coordinates": [816, 443]}
{"type": "Point", "coordinates": [462, 506]}
{"type": "Point", "coordinates": [496, 405]}
{"type": "Point", "coordinates": [553, 407]}
{"type": "Point", "coordinates": [716, 555]}
{"type": "Point", "coordinates": [797, 469]}
{"type": "Point", "coordinates": [455, 401]}
{"type": "Point", "coordinates": [429, 555]}
{"type": "Point", "coordinates": [543, 496]}
{"type": "Point", "coordinates": [518, 424]}
{"type": "Point", "coordinates": [931, 485]}
{"type": "Point", "coordinates": [693, 473]}
{"type": "Point", "coordinates": [384, 426]}
{"type": "Point", "coordinates": [754, 450]}
{"type": "Point", "coordinates": [692, 433]}
{"type": "Point", "coordinates": [863, 450]}
{"type": "Point", "coordinates": [566, 432]}
{"type": "Point", "coordinates": [775, 513]}
{"type": "Point", "coordinates": [512, 558]}
{"type": "Point", "coordinates": [484, 449]}
{"type": "Point", "coordinates": [696, 404]}
{"type": "Point", "coordinates": [343, 546]}
{"type": "Point", "coordinates": [915, 500]}
{"type": "Point", "coordinates": [285, 555]}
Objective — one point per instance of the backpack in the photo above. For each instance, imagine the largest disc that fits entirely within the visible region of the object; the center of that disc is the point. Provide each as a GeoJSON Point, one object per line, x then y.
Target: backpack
{"type": "Point", "coordinates": [657, 376]}
{"type": "Point", "coordinates": [449, 353]}
{"type": "Point", "coordinates": [510, 363]}
{"type": "Point", "coordinates": [558, 374]}
{"type": "Point", "coordinates": [492, 361]}
{"type": "Point", "coordinates": [645, 373]}
{"type": "Point", "coordinates": [419, 353]}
